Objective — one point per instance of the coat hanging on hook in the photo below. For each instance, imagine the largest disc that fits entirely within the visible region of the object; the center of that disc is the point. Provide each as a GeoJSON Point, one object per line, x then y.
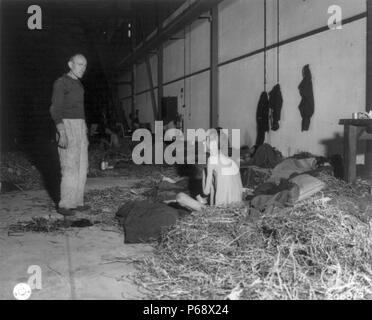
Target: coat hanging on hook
{"type": "Point", "coordinates": [275, 105]}
{"type": "Point", "coordinates": [307, 98]}
{"type": "Point", "coordinates": [275, 95]}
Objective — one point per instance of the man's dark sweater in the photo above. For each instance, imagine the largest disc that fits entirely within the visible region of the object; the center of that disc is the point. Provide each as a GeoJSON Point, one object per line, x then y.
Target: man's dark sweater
{"type": "Point", "coordinates": [67, 99]}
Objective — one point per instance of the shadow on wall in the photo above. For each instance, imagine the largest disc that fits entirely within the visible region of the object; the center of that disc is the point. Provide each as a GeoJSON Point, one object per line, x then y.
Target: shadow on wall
{"type": "Point", "coordinates": [334, 151]}
{"type": "Point", "coordinates": [334, 146]}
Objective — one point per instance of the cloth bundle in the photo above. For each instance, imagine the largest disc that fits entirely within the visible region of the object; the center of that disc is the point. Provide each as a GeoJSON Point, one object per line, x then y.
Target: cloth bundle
{"type": "Point", "coordinates": [307, 186]}
{"type": "Point", "coordinates": [288, 167]}
{"type": "Point", "coordinates": [144, 221]}
{"type": "Point", "coordinates": [288, 184]}
{"type": "Point", "coordinates": [289, 192]}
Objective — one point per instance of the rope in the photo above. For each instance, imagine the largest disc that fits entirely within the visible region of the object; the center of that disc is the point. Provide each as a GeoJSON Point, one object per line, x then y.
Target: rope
{"type": "Point", "coordinates": [265, 44]}
{"type": "Point", "coordinates": [184, 109]}
{"type": "Point", "coordinates": [277, 48]}
{"type": "Point", "coordinates": [189, 79]}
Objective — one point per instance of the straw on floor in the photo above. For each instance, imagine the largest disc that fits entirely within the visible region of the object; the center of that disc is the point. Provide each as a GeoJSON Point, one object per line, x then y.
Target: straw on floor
{"type": "Point", "coordinates": [317, 249]}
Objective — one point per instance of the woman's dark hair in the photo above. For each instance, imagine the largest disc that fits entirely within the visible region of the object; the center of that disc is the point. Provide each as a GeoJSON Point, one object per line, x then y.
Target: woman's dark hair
{"type": "Point", "coordinates": [222, 138]}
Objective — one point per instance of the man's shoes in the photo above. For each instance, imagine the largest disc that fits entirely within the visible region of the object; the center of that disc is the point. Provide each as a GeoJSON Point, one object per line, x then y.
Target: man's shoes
{"type": "Point", "coordinates": [82, 208]}
{"type": "Point", "coordinates": [65, 212]}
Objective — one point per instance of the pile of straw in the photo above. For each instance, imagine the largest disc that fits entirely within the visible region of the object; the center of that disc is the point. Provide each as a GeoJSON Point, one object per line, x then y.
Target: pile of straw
{"type": "Point", "coordinates": [105, 203]}
{"type": "Point", "coordinates": [17, 169]}
{"type": "Point", "coordinates": [354, 199]}
{"type": "Point", "coordinates": [314, 250]}
{"type": "Point", "coordinates": [44, 225]}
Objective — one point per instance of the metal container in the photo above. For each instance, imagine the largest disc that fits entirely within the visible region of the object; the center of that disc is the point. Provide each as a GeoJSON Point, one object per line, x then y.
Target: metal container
{"type": "Point", "coordinates": [104, 165]}
{"type": "Point", "coordinates": [354, 115]}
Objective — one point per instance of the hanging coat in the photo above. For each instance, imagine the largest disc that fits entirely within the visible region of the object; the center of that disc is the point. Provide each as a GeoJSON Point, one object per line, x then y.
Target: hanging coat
{"type": "Point", "coordinates": [275, 104]}
{"type": "Point", "coordinates": [307, 98]}
{"type": "Point", "coordinates": [262, 118]}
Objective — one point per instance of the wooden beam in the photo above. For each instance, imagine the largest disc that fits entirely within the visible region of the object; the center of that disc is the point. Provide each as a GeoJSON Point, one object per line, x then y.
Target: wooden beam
{"type": "Point", "coordinates": [369, 57]}
{"type": "Point", "coordinates": [149, 74]}
{"type": "Point", "coordinates": [350, 151]}
{"type": "Point", "coordinates": [368, 154]}
{"type": "Point", "coordinates": [133, 91]}
{"type": "Point", "coordinates": [152, 91]}
{"type": "Point", "coordinates": [292, 39]}
{"type": "Point", "coordinates": [160, 80]}
{"type": "Point", "coordinates": [133, 70]}
{"type": "Point", "coordinates": [214, 68]}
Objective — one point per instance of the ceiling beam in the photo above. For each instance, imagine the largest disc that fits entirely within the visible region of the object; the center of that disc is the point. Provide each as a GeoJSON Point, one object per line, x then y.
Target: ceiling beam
{"type": "Point", "coordinates": [189, 15]}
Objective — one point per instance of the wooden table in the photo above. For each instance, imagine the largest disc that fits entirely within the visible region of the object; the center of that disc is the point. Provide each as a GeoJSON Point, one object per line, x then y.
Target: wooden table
{"type": "Point", "coordinates": [353, 129]}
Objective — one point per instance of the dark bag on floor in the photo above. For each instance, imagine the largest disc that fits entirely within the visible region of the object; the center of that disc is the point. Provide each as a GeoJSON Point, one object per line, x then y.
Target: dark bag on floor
{"type": "Point", "coordinates": [144, 221]}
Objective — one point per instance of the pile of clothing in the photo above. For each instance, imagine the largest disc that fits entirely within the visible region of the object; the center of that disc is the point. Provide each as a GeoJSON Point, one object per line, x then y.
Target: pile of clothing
{"type": "Point", "coordinates": [291, 180]}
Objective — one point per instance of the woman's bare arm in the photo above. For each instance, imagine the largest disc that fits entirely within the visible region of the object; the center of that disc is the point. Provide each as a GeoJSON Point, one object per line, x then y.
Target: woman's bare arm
{"type": "Point", "coordinates": [207, 181]}
{"type": "Point", "coordinates": [204, 178]}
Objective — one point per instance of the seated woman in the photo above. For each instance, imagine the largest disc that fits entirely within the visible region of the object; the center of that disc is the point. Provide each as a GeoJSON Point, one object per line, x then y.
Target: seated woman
{"type": "Point", "coordinates": [222, 181]}
{"type": "Point", "coordinates": [110, 138]}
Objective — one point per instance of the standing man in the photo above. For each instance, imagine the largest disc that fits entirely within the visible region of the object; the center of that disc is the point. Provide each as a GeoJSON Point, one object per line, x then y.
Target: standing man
{"type": "Point", "coordinates": [67, 111]}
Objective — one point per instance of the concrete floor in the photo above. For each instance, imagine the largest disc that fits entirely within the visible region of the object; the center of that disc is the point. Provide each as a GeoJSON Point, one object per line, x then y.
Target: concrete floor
{"type": "Point", "coordinates": [81, 263]}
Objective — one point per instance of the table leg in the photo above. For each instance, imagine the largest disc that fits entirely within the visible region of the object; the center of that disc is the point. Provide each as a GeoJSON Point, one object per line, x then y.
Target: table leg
{"type": "Point", "coordinates": [368, 159]}
{"type": "Point", "coordinates": [350, 149]}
